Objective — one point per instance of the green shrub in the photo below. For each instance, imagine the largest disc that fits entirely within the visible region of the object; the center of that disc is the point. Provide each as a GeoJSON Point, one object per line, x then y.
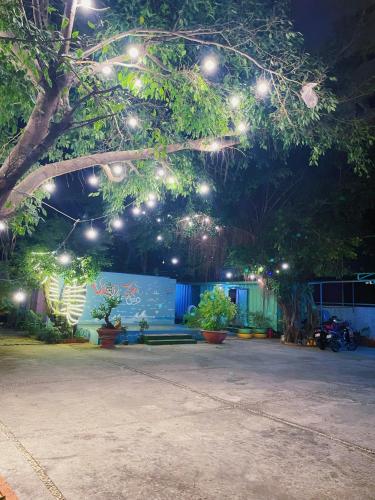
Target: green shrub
{"type": "Point", "coordinates": [143, 325]}
{"type": "Point", "coordinates": [49, 335]}
{"type": "Point", "coordinates": [216, 310]}
{"type": "Point", "coordinates": [259, 320]}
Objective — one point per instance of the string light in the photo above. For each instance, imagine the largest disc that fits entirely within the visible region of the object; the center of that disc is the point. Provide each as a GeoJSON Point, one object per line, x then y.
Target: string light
{"type": "Point", "coordinates": [204, 189]}
{"type": "Point", "coordinates": [210, 64]}
{"type": "Point", "coordinates": [277, 271]}
{"type": "Point", "coordinates": [174, 261]}
{"type": "Point", "coordinates": [262, 87]}
{"type": "Point", "coordinates": [159, 237]}
{"type": "Point", "coordinates": [19, 296]}
{"type": "Point", "coordinates": [117, 169]}
{"type": "Point", "coordinates": [86, 4]}
{"type": "Point", "coordinates": [132, 121]}
{"type": "Point", "coordinates": [107, 70]}
{"type": "Point", "coordinates": [91, 233]}
{"type": "Point", "coordinates": [64, 259]}
{"type": "Point", "coordinates": [49, 187]}
{"type": "Point", "coordinates": [204, 237]}
{"type": "Point", "coordinates": [214, 146]}
{"type": "Point", "coordinates": [3, 225]}
{"type": "Point", "coordinates": [171, 180]}
{"type": "Point", "coordinates": [136, 211]}
{"type": "Point", "coordinates": [252, 277]}
{"type": "Point", "coordinates": [190, 223]}
{"type": "Point", "coordinates": [285, 266]}
{"type": "Point", "coordinates": [117, 223]}
{"type": "Point", "coordinates": [151, 203]}
{"type": "Point", "coordinates": [242, 127]}
{"type": "Point", "coordinates": [217, 228]}
{"type": "Point", "coordinates": [229, 275]}
{"type": "Point", "coordinates": [93, 180]}
{"type": "Point", "coordinates": [160, 172]}
{"type": "Point", "coordinates": [234, 101]}
{"type": "Point", "coordinates": [207, 220]}
{"type": "Point", "coordinates": [133, 52]}
{"type": "Point", "coordinates": [158, 220]}
{"type": "Point", "coordinates": [138, 83]}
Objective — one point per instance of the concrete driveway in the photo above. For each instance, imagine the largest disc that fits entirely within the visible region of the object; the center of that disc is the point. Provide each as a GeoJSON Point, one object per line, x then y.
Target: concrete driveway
{"type": "Point", "coordinates": [246, 420]}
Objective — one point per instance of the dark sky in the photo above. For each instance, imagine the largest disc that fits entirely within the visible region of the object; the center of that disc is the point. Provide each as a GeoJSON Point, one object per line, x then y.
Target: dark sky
{"type": "Point", "coordinates": [315, 19]}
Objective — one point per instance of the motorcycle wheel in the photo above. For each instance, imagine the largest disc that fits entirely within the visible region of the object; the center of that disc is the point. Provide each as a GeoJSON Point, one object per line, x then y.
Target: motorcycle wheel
{"type": "Point", "coordinates": [351, 346]}
{"type": "Point", "coordinates": [335, 345]}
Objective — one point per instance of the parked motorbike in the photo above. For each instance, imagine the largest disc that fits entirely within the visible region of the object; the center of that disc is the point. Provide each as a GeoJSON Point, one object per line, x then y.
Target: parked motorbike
{"type": "Point", "coordinates": [337, 335]}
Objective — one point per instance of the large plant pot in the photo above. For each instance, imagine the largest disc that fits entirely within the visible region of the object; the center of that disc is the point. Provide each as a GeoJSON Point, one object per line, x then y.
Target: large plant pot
{"type": "Point", "coordinates": [107, 337]}
{"type": "Point", "coordinates": [213, 337]}
{"type": "Point", "coordinates": [245, 333]}
{"type": "Point", "coordinates": [260, 333]}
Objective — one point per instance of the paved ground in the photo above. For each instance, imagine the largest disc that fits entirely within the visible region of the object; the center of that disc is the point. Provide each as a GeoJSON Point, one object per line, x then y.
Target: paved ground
{"type": "Point", "coordinates": [246, 420]}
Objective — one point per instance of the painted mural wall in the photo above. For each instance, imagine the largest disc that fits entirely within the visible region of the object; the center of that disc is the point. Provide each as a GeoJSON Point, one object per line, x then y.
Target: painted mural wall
{"type": "Point", "coordinates": [149, 297]}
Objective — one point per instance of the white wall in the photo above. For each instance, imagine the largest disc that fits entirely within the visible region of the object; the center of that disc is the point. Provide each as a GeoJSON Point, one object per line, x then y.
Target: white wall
{"type": "Point", "coordinates": [359, 317]}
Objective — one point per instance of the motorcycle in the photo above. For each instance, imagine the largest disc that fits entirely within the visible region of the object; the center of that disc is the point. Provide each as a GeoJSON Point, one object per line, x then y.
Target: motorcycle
{"type": "Point", "coordinates": [336, 334]}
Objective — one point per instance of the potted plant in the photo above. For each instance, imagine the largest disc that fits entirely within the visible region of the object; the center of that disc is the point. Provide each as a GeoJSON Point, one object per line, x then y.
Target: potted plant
{"type": "Point", "coordinates": [260, 323]}
{"type": "Point", "coordinates": [245, 333]}
{"type": "Point", "coordinates": [215, 312]}
{"type": "Point", "coordinates": [108, 332]}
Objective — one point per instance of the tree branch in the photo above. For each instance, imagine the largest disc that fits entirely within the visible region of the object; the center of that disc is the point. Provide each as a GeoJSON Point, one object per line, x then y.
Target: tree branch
{"type": "Point", "coordinates": [36, 178]}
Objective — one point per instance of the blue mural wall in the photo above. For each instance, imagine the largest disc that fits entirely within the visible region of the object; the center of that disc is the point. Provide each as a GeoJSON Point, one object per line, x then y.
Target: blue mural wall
{"type": "Point", "coordinates": [149, 297]}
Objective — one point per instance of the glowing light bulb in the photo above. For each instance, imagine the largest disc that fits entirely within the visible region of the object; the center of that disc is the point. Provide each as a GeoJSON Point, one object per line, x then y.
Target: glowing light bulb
{"type": "Point", "coordinates": [277, 271]}
{"type": "Point", "coordinates": [242, 127]}
{"type": "Point", "coordinates": [64, 259]}
{"type": "Point", "coordinates": [91, 233]}
{"type": "Point", "coordinates": [262, 87]}
{"type": "Point", "coordinates": [158, 219]}
{"type": "Point", "coordinates": [285, 266]}
{"type": "Point", "coordinates": [204, 189]}
{"type": "Point", "coordinates": [174, 261]}
{"type": "Point", "coordinates": [133, 52]}
{"type": "Point", "coordinates": [152, 196]}
{"type": "Point", "coordinates": [207, 220]}
{"type": "Point", "coordinates": [136, 211]}
{"type": "Point", "coordinates": [187, 219]}
{"type": "Point", "coordinates": [160, 172]}
{"type": "Point", "coordinates": [229, 275]}
{"type": "Point", "coordinates": [3, 225]}
{"type": "Point", "coordinates": [107, 70]}
{"type": "Point", "coordinates": [151, 203]}
{"type": "Point", "coordinates": [252, 277]}
{"type": "Point", "coordinates": [132, 121]}
{"type": "Point", "coordinates": [234, 101]}
{"type": "Point", "coordinates": [49, 187]}
{"type": "Point", "coordinates": [117, 223]}
{"type": "Point", "coordinates": [214, 146]}
{"type": "Point", "coordinates": [217, 228]}
{"type": "Point", "coordinates": [138, 83]}
{"type": "Point", "coordinates": [210, 64]}
{"type": "Point", "coordinates": [171, 180]}
{"type": "Point", "coordinates": [159, 237]}
{"type": "Point", "coordinates": [117, 169]}
{"type": "Point", "coordinates": [204, 237]}
{"type": "Point", "coordinates": [86, 4]}
{"type": "Point", "coordinates": [19, 296]}
{"type": "Point", "coordinates": [93, 180]}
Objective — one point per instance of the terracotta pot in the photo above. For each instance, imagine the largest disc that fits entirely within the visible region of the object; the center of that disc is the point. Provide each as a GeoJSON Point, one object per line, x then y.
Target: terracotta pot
{"type": "Point", "coordinates": [107, 337]}
{"type": "Point", "coordinates": [214, 337]}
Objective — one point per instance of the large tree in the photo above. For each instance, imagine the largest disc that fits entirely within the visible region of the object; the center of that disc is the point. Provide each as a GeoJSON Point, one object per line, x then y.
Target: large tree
{"type": "Point", "coordinates": [85, 86]}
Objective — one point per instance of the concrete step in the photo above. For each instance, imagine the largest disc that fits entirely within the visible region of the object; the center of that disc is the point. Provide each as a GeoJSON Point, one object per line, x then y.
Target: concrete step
{"type": "Point", "coordinates": [170, 341]}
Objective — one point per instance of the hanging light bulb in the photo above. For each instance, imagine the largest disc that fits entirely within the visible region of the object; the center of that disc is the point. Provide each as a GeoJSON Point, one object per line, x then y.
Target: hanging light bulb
{"type": "Point", "coordinates": [138, 83]}
{"type": "Point", "coordinates": [158, 219]}
{"type": "Point", "coordinates": [204, 189]}
{"type": "Point", "coordinates": [204, 237]}
{"type": "Point", "coordinates": [252, 277]}
{"type": "Point", "coordinates": [171, 180]}
{"type": "Point", "coordinates": [86, 4]}
{"type": "Point", "coordinates": [277, 271]}
{"type": "Point", "coordinates": [229, 275]}
{"type": "Point", "coordinates": [107, 70]}
{"type": "Point", "coordinates": [136, 211]}
{"type": "Point", "coordinates": [132, 121]}
{"type": "Point", "coordinates": [210, 64]}
{"type": "Point", "coordinates": [159, 237]}
{"type": "Point", "coordinates": [217, 228]}
{"type": "Point", "coordinates": [49, 187]}
{"type": "Point", "coordinates": [214, 146]}
{"type": "Point", "coordinates": [19, 296]}
{"type": "Point", "coordinates": [117, 169]}
{"type": "Point", "coordinates": [160, 172]}
{"type": "Point", "coordinates": [285, 266]}
{"type": "Point", "coordinates": [262, 87]}
{"type": "Point", "coordinates": [207, 220]}
{"type": "Point", "coordinates": [174, 261]}
{"type": "Point", "coordinates": [133, 52]}
{"type": "Point", "coordinates": [150, 203]}
{"type": "Point", "coordinates": [93, 180]}
{"type": "Point", "coordinates": [117, 223]}
{"type": "Point", "coordinates": [64, 258]}
{"type": "Point", "coordinates": [91, 233]}
{"type": "Point", "coordinates": [242, 127]}
{"type": "Point", "coordinates": [3, 225]}
{"type": "Point", "coordinates": [234, 101]}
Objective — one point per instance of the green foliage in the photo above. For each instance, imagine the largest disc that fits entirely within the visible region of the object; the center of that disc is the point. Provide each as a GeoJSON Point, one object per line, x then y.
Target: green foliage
{"type": "Point", "coordinates": [49, 335]}
{"type": "Point", "coordinates": [192, 319]}
{"type": "Point", "coordinates": [104, 310]}
{"type": "Point", "coordinates": [216, 310]}
{"type": "Point", "coordinates": [143, 325]}
{"type": "Point", "coordinates": [259, 320]}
